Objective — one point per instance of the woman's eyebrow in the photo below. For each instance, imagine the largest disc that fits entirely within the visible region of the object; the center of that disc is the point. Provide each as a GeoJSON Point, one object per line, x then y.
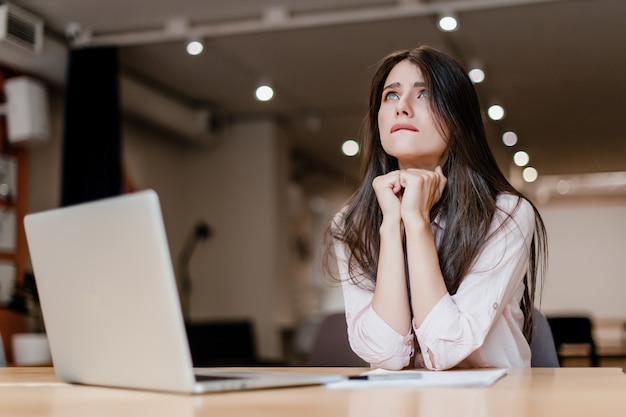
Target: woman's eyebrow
{"type": "Point", "coordinates": [392, 85]}
{"type": "Point", "coordinates": [396, 84]}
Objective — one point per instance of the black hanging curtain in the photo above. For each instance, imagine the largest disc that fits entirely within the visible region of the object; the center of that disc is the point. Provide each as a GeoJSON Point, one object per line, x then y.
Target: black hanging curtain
{"type": "Point", "coordinates": [92, 135]}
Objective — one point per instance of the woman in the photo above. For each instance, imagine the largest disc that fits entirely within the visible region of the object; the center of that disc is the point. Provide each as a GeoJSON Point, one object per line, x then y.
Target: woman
{"type": "Point", "coordinates": [438, 253]}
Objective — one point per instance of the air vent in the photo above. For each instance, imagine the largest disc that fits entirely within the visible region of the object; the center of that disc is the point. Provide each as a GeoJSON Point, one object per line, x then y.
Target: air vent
{"type": "Point", "coordinates": [21, 28]}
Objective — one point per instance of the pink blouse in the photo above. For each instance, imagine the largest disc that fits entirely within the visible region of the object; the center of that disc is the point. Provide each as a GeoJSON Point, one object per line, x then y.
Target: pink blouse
{"type": "Point", "coordinates": [479, 326]}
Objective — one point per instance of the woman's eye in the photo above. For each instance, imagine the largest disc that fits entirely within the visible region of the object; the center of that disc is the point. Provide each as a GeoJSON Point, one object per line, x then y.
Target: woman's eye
{"type": "Point", "coordinates": [391, 96]}
{"type": "Point", "coordinates": [423, 94]}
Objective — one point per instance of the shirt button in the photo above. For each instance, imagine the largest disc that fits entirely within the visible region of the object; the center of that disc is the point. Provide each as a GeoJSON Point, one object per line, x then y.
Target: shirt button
{"type": "Point", "coordinates": [495, 305]}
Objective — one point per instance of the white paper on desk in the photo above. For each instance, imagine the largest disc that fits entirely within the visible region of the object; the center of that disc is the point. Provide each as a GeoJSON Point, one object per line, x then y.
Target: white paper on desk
{"type": "Point", "coordinates": [452, 378]}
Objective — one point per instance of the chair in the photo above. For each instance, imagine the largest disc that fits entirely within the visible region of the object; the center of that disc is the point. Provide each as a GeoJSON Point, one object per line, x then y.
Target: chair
{"type": "Point", "coordinates": [542, 346]}
{"type": "Point", "coordinates": [331, 346]}
{"type": "Point", "coordinates": [3, 359]}
{"type": "Point", "coordinates": [222, 343]}
{"type": "Point", "coordinates": [574, 330]}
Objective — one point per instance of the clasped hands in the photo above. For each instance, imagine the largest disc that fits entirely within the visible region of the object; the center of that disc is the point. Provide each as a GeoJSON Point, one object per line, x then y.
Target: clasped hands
{"type": "Point", "coordinates": [411, 192]}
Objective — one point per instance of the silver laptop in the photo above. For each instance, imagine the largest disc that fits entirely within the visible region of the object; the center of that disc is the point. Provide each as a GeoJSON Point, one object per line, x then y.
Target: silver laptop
{"type": "Point", "coordinates": [110, 304]}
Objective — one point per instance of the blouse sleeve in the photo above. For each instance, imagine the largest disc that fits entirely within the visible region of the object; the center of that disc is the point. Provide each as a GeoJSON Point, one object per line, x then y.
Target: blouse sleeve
{"type": "Point", "coordinates": [370, 337]}
{"type": "Point", "coordinates": [459, 324]}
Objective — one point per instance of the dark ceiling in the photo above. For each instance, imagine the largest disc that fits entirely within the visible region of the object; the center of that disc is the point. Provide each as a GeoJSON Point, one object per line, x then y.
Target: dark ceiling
{"type": "Point", "coordinates": [558, 67]}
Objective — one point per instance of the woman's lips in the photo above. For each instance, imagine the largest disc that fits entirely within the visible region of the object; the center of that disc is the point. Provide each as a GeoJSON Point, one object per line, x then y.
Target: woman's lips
{"type": "Point", "coordinates": [403, 126]}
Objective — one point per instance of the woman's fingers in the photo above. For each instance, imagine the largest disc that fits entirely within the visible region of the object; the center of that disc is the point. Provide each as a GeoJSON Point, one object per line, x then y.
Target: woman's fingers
{"type": "Point", "coordinates": [386, 182]}
{"type": "Point", "coordinates": [422, 189]}
{"type": "Point", "coordinates": [413, 190]}
{"type": "Point", "coordinates": [388, 192]}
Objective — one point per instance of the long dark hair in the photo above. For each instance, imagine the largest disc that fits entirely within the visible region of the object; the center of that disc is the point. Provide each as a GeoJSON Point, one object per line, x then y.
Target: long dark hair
{"type": "Point", "coordinates": [468, 203]}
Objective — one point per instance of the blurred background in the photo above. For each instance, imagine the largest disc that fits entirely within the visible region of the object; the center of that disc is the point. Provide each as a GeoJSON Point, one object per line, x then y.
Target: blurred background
{"type": "Point", "coordinates": [266, 175]}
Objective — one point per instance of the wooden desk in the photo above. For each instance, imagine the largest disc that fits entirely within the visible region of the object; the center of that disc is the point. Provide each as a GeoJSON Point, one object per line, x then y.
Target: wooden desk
{"type": "Point", "coordinates": [562, 392]}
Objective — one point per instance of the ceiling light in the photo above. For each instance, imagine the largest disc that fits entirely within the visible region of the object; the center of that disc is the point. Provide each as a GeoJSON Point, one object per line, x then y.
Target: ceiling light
{"type": "Point", "coordinates": [350, 147]}
{"type": "Point", "coordinates": [264, 92]}
{"type": "Point", "coordinates": [521, 158]}
{"type": "Point", "coordinates": [530, 174]}
{"type": "Point", "coordinates": [448, 23]}
{"type": "Point", "coordinates": [509, 138]}
{"type": "Point", "coordinates": [477, 75]}
{"type": "Point", "coordinates": [195, 47]}
{"type": "Point", "coordinates": [496, 112]}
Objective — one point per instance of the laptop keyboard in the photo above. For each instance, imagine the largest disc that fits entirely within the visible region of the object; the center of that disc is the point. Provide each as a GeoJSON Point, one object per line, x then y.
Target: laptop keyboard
{"type": "Point", "coordinates": [214, 377]}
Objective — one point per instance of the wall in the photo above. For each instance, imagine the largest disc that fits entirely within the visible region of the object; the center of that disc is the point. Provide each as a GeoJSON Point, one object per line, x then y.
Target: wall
{"type": "Point", "coordinates": [587, 262]}
{"type": "Point", "coordinates": [239, 189]}
{"type": "Point", "coordinates": [156, 161]}
{"type": "Point", "coordinates": [236, 187]}
{"type": "Point", "coordinates": [45, 159]}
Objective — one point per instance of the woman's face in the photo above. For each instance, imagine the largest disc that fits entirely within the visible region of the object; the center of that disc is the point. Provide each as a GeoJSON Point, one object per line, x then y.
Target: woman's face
{"type": "Point", "coordinates": [408, 130]}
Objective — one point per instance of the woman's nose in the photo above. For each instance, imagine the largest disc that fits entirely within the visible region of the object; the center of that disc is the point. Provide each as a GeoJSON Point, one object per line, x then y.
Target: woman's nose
{"type": "Point", "coordinates": [402, 108]}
